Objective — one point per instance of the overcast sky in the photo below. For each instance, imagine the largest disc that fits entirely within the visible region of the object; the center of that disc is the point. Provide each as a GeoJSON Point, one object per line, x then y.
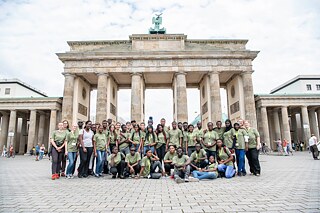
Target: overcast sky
{"type": "Point", "coordinates": [286, 32]}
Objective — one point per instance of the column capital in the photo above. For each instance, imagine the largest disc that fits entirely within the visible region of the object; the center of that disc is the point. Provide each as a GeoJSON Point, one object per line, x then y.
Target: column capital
{"type": "Point", "coordinates": [68, 74]}
{"type": "Point", "coordinates": [136, 73]}
{"type": "Point", "coordinates": [180, 73]}
{"type": "Point", "coordinates": [214, 72]}
{"type": "Point", "coordinates": [247, 72]}
{"type": "Point", "coordinates": [102, 74]}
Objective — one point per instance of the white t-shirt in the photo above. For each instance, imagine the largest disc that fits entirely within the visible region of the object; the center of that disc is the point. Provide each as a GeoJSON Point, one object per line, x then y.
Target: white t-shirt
{"type": "Point", "coordinates": [87, 137]}
{"type": "Point", "coordinates": [312, 141]}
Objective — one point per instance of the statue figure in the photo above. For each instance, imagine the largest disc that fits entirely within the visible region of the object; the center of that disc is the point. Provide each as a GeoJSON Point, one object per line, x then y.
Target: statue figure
{"type": "Point", "coordinates": [157, 21]}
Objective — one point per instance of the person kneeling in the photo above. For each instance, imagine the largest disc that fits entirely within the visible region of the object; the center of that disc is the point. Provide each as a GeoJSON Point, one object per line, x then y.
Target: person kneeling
{"type": "Point", "coordinates": [149, 164]}
{"type": "Point", "coordinates": [181, 167]}
{"type": "Point", "coordinates": [225, 159]}
{"type": "Point", "coordinates": [116, 163]}
{"type": "Point", "coordinates": [210, 172]}
{"type": "Point", "coordinates": [133, 163]}
{"type": "Point", "coordinates": [168, 159]}
{"type": "Point", "coordinates": [198, 159]}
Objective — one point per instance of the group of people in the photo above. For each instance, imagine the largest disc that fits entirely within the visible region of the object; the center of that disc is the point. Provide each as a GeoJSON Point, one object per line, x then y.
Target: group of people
{"type": "Point", "coordinates": [139, 151]}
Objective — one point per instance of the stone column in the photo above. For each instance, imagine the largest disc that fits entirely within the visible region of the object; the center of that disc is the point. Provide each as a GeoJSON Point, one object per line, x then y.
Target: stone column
{"type": "Point", "coordinates": [52, 126]}
{"type": "Point", "coordinates": [305, 124]}
{"type": "Point", "coordinates": [12, 128]}
{"type": "Point", "coordinates": [294, 127]}
{"type": "Point", "coordinates": [182, 103]}
{"type": "Point", "coordinates": [250, 109]}
{"type": "Point", "coordinates": [215, 99]}
{"type": "Point", "coordinates": [101, 111]}
{"type": "Point", "coordinates": [32, 129]}
{"type": "Point", "coordinates": [67, 104]}
{"type": "Point", "coordinates": [313, 123]}
{"type": "Point", "coordinates": [22, 136]}
{"type": "Point", "coordinates": [318, 117]}
{"type": "Point", "coordinates": [286, 126]}
{"type": "Point", "coordinates": [276, 124]}
{"type": "Point", "coordinates": [136, 99]}
{"type": "Point", "coordinates": [4, 130]}
{"type": "Point", "coordinates": [41, 128]}
{"type": "Point", "coordinates": [265, 126]}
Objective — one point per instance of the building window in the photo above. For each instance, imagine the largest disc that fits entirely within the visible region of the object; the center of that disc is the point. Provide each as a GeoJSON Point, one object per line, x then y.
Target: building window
{"type": "Point", "coordinates": [318, 86]}
{"type": "Point", "coordinates": [7, 91]}
{"type": "Point", "coordinates": [309, 87]}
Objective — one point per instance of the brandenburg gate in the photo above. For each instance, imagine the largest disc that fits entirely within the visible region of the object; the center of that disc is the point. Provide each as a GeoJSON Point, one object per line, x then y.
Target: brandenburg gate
{"type": "Point", "coordinates": [158, 61]}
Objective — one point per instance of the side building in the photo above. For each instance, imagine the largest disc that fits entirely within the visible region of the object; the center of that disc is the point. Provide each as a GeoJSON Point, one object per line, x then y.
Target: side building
{"type": "Point", "coordinates": [28, 116]}
{"type": "Point", "coordinates": [291, 111]}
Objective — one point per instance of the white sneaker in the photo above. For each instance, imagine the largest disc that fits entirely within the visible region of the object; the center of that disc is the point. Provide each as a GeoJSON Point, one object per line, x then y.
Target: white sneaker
{"type": "Point", "coordinates": [179, 180]}
{"type": "Point", "coordinates": [186, 179]}
{"type": "Point", "coordinates": [193, 179]}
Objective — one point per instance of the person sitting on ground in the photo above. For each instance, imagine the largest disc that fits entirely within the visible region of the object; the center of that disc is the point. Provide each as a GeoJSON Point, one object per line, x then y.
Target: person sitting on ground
{"type": "Point", "coordinates": [198, 158]}
{"type": "Point", "coordinates": [116, 163]}
{"type": "Point", "coordinates": [149, 164]}
{"type": "Point", "coordinates": [210, 172]}
{"type": "Point", "coordinates": [37, 151]}
{"type": "Point", "coordinates": [181, 168]}
{"type": "Point", "coordinates": [133, 162]}
{"type": "Point", "coordinates": [168, 159]}
{"type": "Point", "coordinates": [225, 160]}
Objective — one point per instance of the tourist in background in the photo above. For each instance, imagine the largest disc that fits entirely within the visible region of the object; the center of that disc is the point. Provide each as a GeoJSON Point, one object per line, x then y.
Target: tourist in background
{"type": "Point", "coordinates": [225, 160]}
{"type": "Point", "coordinates": [37, 151]}
{"type": "Point", "coordinates": [284, 146]}
{"type": "Point", "coordinates": [161, 142]}
{"type": "Point", "coordinates": [71, 149]}
{"type": "Point", "coordinates": [57, 141]}
{"type": "Point", "coordinates": [86, 150]}
{"type": "Point", "coordinates": [313, 147]}
{"type": "Point", "coordinates": [240, 142]}
{"type": "Point", "coordinates": [41, 152]}
{"type": "Point", "coordinates": [210, 172]}
{"type": "Point", "coordinates": [209, 140]}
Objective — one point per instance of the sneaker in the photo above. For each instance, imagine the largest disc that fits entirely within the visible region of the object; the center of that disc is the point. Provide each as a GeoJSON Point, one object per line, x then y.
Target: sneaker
{"type": "Point", "coordinates": [239, 174]}
{"type": "Point", "coordinates": [80, 176]}
{"type": "Point", "coordinates": [63, 174]}
{"type": "Point", "coordinates": [53, 177]}
{"type": "Point", "coordinates": [100, 175]}
{"type": "Point", "coordinates": [179, 180]}
{"type": "Point", "coordinates": [57, 176]}
{"type": "Point", "coordinates": [186, 179]}
{"type": "Point", "coordinates": [121, 177]}
{"type": "Point", "coordinates": [132, 176]}
{"type": "Point", "coordinates": [97, 176]}
{"type": "Point", "coordinates": [68, 176]}
{"type": "Point", "coordinates": [71, 176]}
{"type": "Point", "coordinates": [114, 176]}
{"type": "Point", "coordinates": [193, 179]}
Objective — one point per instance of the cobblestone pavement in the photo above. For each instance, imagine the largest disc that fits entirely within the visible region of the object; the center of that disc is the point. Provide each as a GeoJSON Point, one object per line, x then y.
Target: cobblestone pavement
{"type": "Point", "coordinates": [287, 184]}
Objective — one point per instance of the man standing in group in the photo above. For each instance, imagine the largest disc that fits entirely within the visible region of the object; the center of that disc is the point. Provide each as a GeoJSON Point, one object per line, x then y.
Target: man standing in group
{"type": "Point", "coordinates": [313, 147]}
{"type": "Point", "coordinates": [175, 136]}
{"type": "Point", "coordinates": [199, 132]}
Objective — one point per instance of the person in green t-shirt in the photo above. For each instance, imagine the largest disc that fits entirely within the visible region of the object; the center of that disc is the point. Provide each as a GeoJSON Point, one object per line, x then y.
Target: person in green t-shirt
{"type": "Point", "coordinates": [175, 136]}
{"type": "Point", "coordinates": [124, 140]}
{"type": "Point", "coordinates": [105, 127]}
{"type": "Point", "coordinates": [116, 162]}
{"type": "Point", "coordinates": [185, 131]}
{"type": "Point", "coordinates": [199, 132]}
{"type": "Point", "coordinates": [164, 127]}
{"type": "Point", "coordinates": [136, 138]}
{"type": "Point", "coordinates": [100, 146]}
{"type": "Point", "coordinates": [191, 140]}
{"type": "Point", "coordinates": [71, 149]}
{"type": "Point", "coordinates": [210, 172]}
{"type": "Point", "coordinates": [227, 135]}
{"type": "Point", "coordinates": [57, 141]}
{"type": "Point", "coordinates": [162, 137]}
{"type": "Point", "coordinates": [240, 138]}
{"type": "Point", "coordinates": [168, 159]}
{"type": "Point", "coordinates": [219, 129]}
{"type": "Point", "coordinates": [112, 137]}
{"type": "Point", "coordinates": [198, 158]}
{"type": "Point", "coordinates": [149, 164]}
{"type": "Point", "coordinates": [181, 167]}
{"type": "Point", "coordinates": [133, 162]}
{"type": "Point", "coordinates": [150, 141]}
{"type": "Point", "coordinates": [225, 159]}
{"type": "Point", "coordinates": [252, 151]}
{"type": "Point", "coordinates": [209, 140]}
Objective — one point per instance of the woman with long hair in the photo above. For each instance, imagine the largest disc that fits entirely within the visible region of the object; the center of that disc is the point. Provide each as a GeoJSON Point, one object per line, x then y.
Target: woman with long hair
{"type": "Point", "coordinates": [100, 147]}
{"type": "Point", "coordinates": [225, 160]}
{"type": "Point", "coordinates": [161, 142]}
{"type": "Point", "coordinates": [86, 150]}
{"type": "Point", "coordinates": [72, 149]}
{"type": "Point", "coordinates": [136, 138]}
{"type": "Point", "coordinates": [150, 141]}
{"type": "Point", "coordinates": [227, 135]}
{"type": "Point", "coordinates": [112, 137]}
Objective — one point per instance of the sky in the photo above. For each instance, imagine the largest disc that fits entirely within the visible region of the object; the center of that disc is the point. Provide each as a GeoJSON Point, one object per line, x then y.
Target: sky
{"type": "Point", "coordinates": [286, 32]}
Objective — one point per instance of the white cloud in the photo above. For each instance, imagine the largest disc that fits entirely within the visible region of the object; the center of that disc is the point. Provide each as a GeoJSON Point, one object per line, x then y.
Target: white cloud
{"type": "Point", "coordinates": [286, 32]}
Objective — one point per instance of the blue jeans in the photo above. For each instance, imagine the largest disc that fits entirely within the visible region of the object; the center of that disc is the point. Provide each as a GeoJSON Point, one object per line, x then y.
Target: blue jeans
{"type": "Point", "coordinates": [71, 157]}
{"type": "Point", "coordinates": [148, 147]}
{"type": "Point", "coordinates": [41, 155]}
{"type": "Point", "coordinates": [240, 153]}
{"type": "Point", "coordinates": [100, 161]}
{"type": "Point", "coordinates": [228, 170]}
{"type": "Point", "coordinates": [204, 175]}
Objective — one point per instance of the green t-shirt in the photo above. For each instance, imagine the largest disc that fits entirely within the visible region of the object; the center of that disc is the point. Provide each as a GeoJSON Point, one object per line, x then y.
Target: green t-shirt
{"type": "Point", "coordinates": [240, 138]}
{"type": "Point", "coordinates": [149, 139]}
{"type": "Point", "coordinates": [224, 154]}
{"type": "Point", "coordinates": [180, 161]}
{"type": "Point", "coordinates": [59, 137]}
{"type": "Point", "coordinates": [161, 140]}
{"type": "Point", "coordinates": [117, 158]}
{"type": "Point", "coordinates": [199, 134]}
{"type": "Point", "coordinates": [143, 135]}
{"type": "Point", "coordinates": [101, 141]}
{"type": "Point", "coordinates": [146, 163]}
{"type": "Point", "coordinates": [124, 137]}
{"type": "Point", "coordinates": [220, 132]}
{"type": "Point", "coordinates": [196, 156]}
{"type": "Point", "coordinates": [228, 139]}
{"type": "Point", "coordinates": [72, 140]}
{"type": "Point", "coordinates": [209, 138]}
{"type": "Point", "coordinates": [132, 159]}
{"type": "Point", "coordinates": [213, 166]}
{"type": "Point", "coordinates": [169, 156]}
{"type": "Point", "coordinates": [136, 137]}
{"type": "Point", "coordinates": [253, 134]}
{"type": "Point", "coordinates": [112, 138]}
{"type": "Point", "coordinates": [185, 138]}
{"type": "Point", "coordinates": [191, 136]}
{"type": "Point", "coordinates": [106, 131]}
{"type": "Point", "coordinates": [175, 135]}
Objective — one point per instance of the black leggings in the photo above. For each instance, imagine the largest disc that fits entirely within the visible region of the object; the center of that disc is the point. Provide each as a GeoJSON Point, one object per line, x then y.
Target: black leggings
{"type": "Point", "coordinates": [85, 160]}
{"type": "Point", "coordinates": [253, 160]}
{"type": "Point", "coordinates": [56, 160]}
{"type": "Point", "coordinates": [161, 151]}
{"type": "Point", "coordinates": [118, 168]}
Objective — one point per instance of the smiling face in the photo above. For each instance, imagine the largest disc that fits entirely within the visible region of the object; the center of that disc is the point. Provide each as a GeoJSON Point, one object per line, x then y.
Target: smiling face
{"type": "Point", "coordinates": [179, 152]}
{"type": "Point", "coordinates": [210, 126]}
{"type": "Point", "coordinates": [100, 128]}
{"type": "Point", "coordinates": [60, 126]}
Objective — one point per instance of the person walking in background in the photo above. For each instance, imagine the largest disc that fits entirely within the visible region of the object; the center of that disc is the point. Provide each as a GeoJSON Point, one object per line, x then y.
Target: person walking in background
{"type": "Point", "coordinates": [37, 151]}
{"type": "Point", "coordinates": [41, 152]}
{"type": "Point", "coordinates": [284, 146]}
{"type": "Point", "coordinates": [313, 147]}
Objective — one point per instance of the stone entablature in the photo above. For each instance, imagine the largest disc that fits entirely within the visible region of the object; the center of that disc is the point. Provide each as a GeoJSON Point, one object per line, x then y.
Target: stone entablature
{"type": "Point", "coordinates": [287, 100]}
{"type": "Point", "coordinates": [30, 104]}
